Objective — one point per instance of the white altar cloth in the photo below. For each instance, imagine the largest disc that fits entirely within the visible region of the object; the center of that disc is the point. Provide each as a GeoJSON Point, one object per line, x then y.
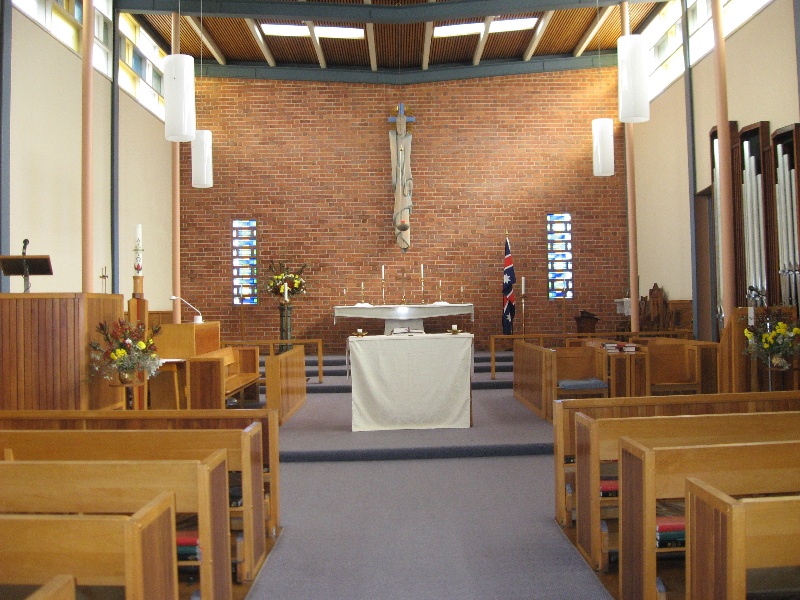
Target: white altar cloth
{"type": "Point", "coordinates": [419, 381]}
{"type": "Point", "coordinates": [403, 315]}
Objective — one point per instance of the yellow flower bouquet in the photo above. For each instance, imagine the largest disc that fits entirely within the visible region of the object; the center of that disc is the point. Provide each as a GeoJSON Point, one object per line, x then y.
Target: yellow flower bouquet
{"type": "Point", "coordinates": [283, 283]}
{"type": "Point", "coordinates": [773, 339]}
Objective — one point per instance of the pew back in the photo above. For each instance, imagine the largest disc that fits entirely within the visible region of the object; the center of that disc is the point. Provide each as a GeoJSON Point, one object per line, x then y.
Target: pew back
{"type": "Point", "coordinates": [598, 441]}
{"type": "Point", "coordinates": [534, 386]}
{"type": "Point", "coordinates": [564, 411]}
{"type": "Point", "coordinates": [168, 419]}
{"type": "Point", "coordinates": [244, 450]}
{"type": "Point", "coordinates": [136, 551]}
{"type": "Point", "coordinates": [200, 486]}
{"type": "Point", "coordinates": [648, 473]}
{"type": "Point", "coordinates": [727, 536]}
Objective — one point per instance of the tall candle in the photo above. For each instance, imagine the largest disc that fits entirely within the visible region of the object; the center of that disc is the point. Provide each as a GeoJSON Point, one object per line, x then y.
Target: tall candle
{"type": "Point", "coordinates": [286, 292]}
{"type": "Point", "coordinates": [421, 270]}
{"type": "Point", "coordinates": [137, 262]}
{"type": "Point", "coordinates": [523, 285]}
{"type": "Point", "coordinates": [383, 272]}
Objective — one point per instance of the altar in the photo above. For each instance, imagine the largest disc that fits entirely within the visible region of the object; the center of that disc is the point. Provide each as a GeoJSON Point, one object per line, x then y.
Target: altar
{"type": "Point", "coordinates": [411, 381]}
{"type": "Point", "coordinates": [410, 316]}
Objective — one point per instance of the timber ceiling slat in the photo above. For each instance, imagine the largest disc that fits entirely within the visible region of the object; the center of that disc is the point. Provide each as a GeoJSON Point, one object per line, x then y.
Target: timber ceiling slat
{"type": "Point", "coordinates": [234, 39]}
{"type": "Point", "coordinates": [565, 31]}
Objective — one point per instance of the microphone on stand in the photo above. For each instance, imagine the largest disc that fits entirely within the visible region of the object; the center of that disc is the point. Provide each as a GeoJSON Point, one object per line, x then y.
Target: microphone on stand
{"type": "Point", "coordinates": [26, 282]}
{"type": "Point", "coordinates": [199, 318]}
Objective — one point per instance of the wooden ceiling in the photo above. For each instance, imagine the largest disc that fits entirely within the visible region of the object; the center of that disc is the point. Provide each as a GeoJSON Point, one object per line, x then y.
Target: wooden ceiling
{"type": "Point", "coordinates": [398, 46]}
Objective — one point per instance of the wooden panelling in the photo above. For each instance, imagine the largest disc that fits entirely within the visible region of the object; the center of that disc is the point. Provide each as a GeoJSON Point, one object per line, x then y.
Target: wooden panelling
{"type": "Point", "coordinates": [44, 343]}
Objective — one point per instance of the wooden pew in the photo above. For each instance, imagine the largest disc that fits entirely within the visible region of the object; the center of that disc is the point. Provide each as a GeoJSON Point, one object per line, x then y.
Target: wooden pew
{"type": "Point", "coordinates": [598, 442]}
{"type": "Point", "coordinates": [169, 419]}
{"type": "Point", "coordinates": [285, 375]}
{"type": "Point", "coordinates": [727, 536]}
{"type": "Point", "coordinates": [533, 378]}
{"type": "Point", "coordinates": [136, 551]}
{"type": "Point", "coordinates": [224, 373]}
{"type": "Point", "coordinates": [244, 450]}
{"type": "Point", "coordinates": [648, 473]}
{"type": "Point", "coordinates": [675, 367]}
{"type": "Point", "coordinates": [60, 587]}
{"type": "Point", "coordinates": [200, 487]}
{"type": "Point", "coordinates": [564, 411]}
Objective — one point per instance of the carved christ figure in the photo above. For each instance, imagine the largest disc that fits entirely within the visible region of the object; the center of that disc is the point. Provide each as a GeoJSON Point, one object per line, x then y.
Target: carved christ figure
{"type": "Point", "coordinates": [400, 144]}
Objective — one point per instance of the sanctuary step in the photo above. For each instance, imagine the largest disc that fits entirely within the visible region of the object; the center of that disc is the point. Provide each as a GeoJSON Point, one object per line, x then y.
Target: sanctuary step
{"type": "Point", "coordinates": [335, 378]}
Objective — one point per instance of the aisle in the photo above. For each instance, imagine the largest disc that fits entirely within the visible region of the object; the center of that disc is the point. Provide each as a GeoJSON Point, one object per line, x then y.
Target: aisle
{"type": "Point", "coordinates": [460, 529]}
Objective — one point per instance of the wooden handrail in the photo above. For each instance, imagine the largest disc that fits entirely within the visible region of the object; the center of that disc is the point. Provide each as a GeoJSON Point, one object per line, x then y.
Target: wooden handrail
{"type": "Point", "coordinates": [539, 338]}
{"type": "Point", "coordinates": [272, 343]}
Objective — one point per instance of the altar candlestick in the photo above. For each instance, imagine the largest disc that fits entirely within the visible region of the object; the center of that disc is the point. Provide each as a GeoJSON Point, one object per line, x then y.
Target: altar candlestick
{"type": "Point", "coordinates": [422, 270]}
{"type": "Point", "coordinates": [523, 286]}
{"type": "Point", "coordinates": [383, 272]}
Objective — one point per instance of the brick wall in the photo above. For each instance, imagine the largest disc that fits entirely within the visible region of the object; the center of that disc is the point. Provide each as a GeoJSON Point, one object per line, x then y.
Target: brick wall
{"type": "Point", "coordinates": [311, 162]}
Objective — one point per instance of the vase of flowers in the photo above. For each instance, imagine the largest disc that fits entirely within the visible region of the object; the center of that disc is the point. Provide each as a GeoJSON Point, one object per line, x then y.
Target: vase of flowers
{"type": "Point", "coordinates": [126, 352]}
{"type": "Point", "coordinates": [283, 283]}
{"type": "Point", "coordinates": [773, 339]}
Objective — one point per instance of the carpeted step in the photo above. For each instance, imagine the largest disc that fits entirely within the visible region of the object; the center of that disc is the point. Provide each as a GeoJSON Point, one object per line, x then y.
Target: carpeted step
{"type": "Point", "coordinates": [358, 454]}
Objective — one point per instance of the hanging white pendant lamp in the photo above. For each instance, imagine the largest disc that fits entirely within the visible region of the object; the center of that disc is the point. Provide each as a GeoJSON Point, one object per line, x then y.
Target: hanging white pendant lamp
{"type": "Point", "coordinates": [603, 147]}
{"type": "Point", "coordinates": [202, 160]}
{"type": "Point", "coordinates": [634, 104]}
{"type": "Point", "coordinates": [179, 106]}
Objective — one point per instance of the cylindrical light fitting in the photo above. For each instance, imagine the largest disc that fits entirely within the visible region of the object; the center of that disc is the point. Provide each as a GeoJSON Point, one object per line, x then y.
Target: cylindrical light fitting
{"type": "Point", "coordinates": [202, 161]}
{"type": "Point", "coordinates": [634, 104]}
{"type": "Point", "coordinates": [179, 106]}
{"type": "Point", "coordinates": [603, 147]}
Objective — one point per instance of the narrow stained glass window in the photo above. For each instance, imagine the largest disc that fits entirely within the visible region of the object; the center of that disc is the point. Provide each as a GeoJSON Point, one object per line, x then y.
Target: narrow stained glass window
{"type": "Point", "coordinates": [559, 256]}
{"type": "Point", "coordinates": [244, 265]}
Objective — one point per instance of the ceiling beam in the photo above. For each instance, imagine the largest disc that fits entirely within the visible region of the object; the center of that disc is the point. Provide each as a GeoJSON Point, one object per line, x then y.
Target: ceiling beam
{"type": "Point", "coordinates": [476, 57]}
{"type": "Point", "coordinates": [538, 34]}
{"type": "Point", "coordinates": [491, 68]}
{"type": "Point", "coordinates": [359, 13]}
{"type": "Point", "coordinates": [255, 31]}
{"type": "Point", "coordinates": [426, 46]}
{"type": "Point", "coordinates": [592, 31]}
{"type": "Point", "coordinates": [317, 45]}
{"type": "Point", "coordinates": [373, 53]}
{"type": "Point", "coordinates": [206, 39]}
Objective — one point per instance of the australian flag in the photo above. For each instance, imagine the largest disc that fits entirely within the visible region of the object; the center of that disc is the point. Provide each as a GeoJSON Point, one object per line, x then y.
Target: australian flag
{"type": "Point", "coordinates": [509, 279]}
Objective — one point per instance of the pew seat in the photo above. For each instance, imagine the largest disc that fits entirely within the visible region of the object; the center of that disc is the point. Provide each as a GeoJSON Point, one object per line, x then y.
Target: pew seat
{"type": "Point", "coordinates": [230, 372]}
{"type": "Point", "coordinates": [580, 371]}
{"type": "Point", "coordinates": [60, 587]}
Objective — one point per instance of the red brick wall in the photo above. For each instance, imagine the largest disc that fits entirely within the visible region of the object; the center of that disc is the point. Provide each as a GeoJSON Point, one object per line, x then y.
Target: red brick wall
{"type": "Point", "coordinates": [311, 162]}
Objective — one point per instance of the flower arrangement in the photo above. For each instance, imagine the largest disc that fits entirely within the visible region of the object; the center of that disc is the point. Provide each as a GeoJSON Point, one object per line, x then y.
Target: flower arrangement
{"type": "Point", "coordinates": [773, 340]}
{"type": "Point", "coordinates": [126, 348]}
{"type": "Point", "coordinates": [283, 283]}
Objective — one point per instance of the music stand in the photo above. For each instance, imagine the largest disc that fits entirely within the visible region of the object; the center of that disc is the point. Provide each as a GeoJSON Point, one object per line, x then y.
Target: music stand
{"type": "Point", "coordinates": [25, 266]}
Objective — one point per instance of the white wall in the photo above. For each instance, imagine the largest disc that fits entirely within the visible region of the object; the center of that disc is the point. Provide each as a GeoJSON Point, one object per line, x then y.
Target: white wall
{"type": "Point", "coordinates": [762, 86]}
{"type": "Point", "coordinates": [46, 171]}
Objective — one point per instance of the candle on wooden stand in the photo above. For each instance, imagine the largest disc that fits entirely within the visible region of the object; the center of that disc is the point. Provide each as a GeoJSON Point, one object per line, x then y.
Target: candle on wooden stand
{"type": "Point", "coordinates": [523, 286]}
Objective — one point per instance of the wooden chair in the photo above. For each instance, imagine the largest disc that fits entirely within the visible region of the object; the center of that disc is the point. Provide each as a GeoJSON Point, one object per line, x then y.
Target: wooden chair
{"type": "Point", "coordinates": [580, 371]}
{"type": "Point", "coordinates": [674, 369]}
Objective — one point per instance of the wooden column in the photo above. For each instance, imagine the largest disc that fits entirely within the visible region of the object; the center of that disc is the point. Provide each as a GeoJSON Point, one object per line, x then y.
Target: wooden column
{"type": "Point", "coordinates": [633, 237]}
{"type": "Point", "coordinates": [176, 194]}
{"type": "Point", "coordinates": [87, 170]}
{"type": "Point", "coordinates": [725, 174]}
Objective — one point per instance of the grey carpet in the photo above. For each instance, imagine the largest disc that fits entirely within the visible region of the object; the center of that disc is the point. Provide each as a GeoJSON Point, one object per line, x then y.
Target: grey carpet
{"type": "Point", "coordinates": [478, 528]}
{"type": "Point", "coordinates": [320, 430]}
{"type": "Point", "coordinates": [374, 529]}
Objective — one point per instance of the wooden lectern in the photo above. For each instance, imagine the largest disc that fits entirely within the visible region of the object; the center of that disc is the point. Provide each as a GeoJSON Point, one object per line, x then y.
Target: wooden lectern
{"type": "Point", "coordinates": [25, 266]}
